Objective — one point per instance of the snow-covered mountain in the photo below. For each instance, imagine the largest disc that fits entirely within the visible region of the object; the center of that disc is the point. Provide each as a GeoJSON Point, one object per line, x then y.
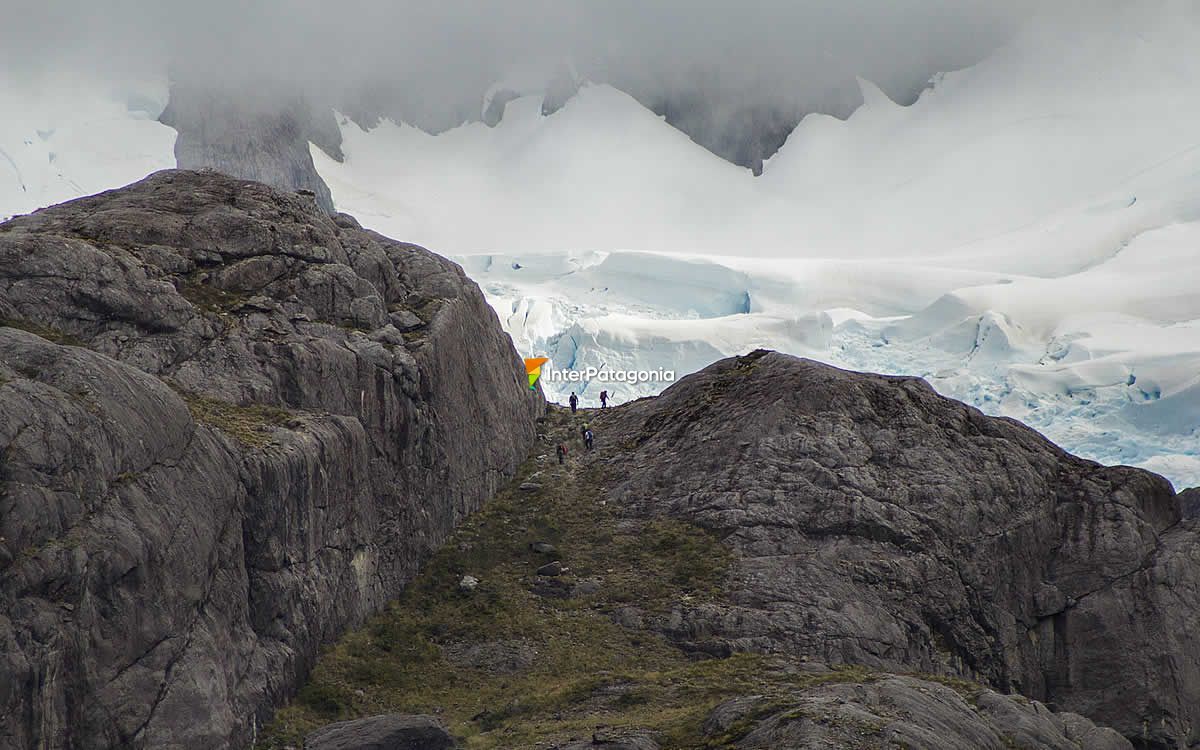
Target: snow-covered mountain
{"type": "Point", "coordinates": [63, 136]}
{"type": "Point", "coordinates": [1025, 235]}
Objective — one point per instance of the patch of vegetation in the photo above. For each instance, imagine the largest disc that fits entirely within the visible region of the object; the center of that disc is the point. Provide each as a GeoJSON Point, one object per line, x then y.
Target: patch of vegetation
{"type": "Point", "coordinates": [70, 540]}
{"type": "Point", "coordinates": [209, 298]}
{"type": "Point", "coordinates": [970, 691]}
{"type": "Point", "coordinates": [250, 425]}
{"type": "Point", "coordinates": [586, 670]}
{"type": "Point", "coordinates": [50, 334]}
{"type": "Point", "coordinates": [730, 377]}
{"type": "Point", "coordinates": [425, 308]}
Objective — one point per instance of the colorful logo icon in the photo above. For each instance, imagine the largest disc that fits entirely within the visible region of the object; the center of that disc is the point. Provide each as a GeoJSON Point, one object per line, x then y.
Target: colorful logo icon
{"type": "Point", "coordinates": [533, 369]}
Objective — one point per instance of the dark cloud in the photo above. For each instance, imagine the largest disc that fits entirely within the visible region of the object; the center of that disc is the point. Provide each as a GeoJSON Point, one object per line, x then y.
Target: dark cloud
{"type": "Point", "coordinates": [431, 62]}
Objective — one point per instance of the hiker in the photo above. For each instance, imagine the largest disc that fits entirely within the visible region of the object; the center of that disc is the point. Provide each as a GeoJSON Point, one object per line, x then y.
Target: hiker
{"type": "Point", "coordinates": [583, 431]}
{"type": "Point", "coordinates": [603, 399]}
{"type": "Point", "coordinates": [574, 402]}
{"type": "Point", "coordinates": [587, 438]}
{"type": "Point", "coordinates": [562, 453]}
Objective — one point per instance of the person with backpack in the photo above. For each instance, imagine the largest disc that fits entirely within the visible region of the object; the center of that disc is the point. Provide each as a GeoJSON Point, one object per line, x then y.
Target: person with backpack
{"type": "Point", "coordinates": [574, 401]}
{"type": "Point", "coordinates": [562, 453]}
{"type": "Point", "coordinates": [588, 437]}
{"type": "Point", "coordinates": [603, 399]}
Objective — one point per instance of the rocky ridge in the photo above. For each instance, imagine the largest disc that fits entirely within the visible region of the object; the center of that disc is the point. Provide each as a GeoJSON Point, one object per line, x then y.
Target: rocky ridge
{"type": "Point", "coordinates": [231, 426]}
{"type": "Point", "coordinates": [877, 523]}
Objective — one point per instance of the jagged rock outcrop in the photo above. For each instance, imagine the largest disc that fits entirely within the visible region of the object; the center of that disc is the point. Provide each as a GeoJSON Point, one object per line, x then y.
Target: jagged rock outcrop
{"type": "Point", "coordinates": [253, 135]}
{"type": "Point", "coordinates": [877, 523]}
{"type": "Point", "coordinates": [232, 427]}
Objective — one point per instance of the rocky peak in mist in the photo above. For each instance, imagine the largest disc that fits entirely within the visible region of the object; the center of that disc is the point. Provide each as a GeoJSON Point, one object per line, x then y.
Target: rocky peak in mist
{"type": "Point", "coordinates": [253, 135]}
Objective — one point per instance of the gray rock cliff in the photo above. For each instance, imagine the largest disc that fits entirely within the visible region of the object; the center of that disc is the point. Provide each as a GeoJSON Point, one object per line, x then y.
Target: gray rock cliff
{"type": "Point", "coordinates": [231, 426]}
{"type": "Point", "coordinates": [877, 523]}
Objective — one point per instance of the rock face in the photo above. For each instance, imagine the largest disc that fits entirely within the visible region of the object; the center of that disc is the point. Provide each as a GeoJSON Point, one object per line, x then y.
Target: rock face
{"type": "Point", "coordinates": [877, 523]}
{"type": "Point", "coordinates": [898, 711]}
{"type": "Point", "coordinates": [388, 732]}
{"type": "Point", "coordinates": [1189, 501]}
{"type": "Point", "coordinates": [252, 137]}
{"type": "Point", "coordinates": [217, 451]}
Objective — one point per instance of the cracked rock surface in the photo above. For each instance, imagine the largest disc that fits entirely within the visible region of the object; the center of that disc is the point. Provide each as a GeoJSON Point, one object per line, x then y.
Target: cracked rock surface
{"type": "Point", "coordinates": [231, 426]}
{"type": "Point", "coordinates": [898, 711]}
{"type": "Point", "coordinates": [877, 523]}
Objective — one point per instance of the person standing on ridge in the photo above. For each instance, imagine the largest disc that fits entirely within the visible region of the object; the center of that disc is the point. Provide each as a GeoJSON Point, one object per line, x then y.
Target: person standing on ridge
{"type": "Point", "coordinates": [574, 400]}
{"type": "Point", "coordinates": [561, 450]}
{"type": "Point", "coordinates": [603, 399]}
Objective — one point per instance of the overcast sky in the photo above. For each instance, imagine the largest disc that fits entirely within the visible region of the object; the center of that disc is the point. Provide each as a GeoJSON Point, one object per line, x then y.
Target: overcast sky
{"type": "Point", "coordinates": [440, 56]}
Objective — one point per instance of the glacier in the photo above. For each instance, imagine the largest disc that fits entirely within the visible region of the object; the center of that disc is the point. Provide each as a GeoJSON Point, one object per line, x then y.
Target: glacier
{"type": "Point", "coordinates": [64, 135]}
{"type": "Point", "coordinates": [1025, 236]}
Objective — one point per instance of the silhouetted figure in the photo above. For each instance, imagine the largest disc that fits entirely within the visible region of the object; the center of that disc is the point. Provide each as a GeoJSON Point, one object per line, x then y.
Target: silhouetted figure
{"type": "Point", "coordinates": [574, 401]}
{"type": "Point", "coordinates": [562, 453]}
{"type": "Point", "coordinates": [603, 399]}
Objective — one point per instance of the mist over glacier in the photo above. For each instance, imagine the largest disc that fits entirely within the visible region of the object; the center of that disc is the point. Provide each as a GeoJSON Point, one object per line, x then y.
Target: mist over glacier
{"type": "Point", "coordinates": [1024, 235]}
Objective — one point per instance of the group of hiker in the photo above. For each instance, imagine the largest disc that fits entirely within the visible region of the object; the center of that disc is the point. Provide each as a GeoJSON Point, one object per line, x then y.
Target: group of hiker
{"type": "Point", "coordinates": [574, 401]}
{"type": "Point", "coordinates": [585, 432]}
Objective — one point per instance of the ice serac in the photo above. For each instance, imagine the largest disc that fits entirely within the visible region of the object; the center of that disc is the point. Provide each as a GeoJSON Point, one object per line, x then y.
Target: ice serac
{"type": "Point", "coordinates": [878, 523]}
{"type": "Point", "coordinates": [218, 450]}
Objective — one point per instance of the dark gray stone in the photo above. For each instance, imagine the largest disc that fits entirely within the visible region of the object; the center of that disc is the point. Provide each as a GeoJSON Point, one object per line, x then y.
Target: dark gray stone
{"type": "Point", "coordinates": [586, 587]}
{"type": "Point", "coordinates": [1189, 502]}
{"type": "Point", "coordinates": [552, 588]}
{"type": "Point", "coordinates": [167, 578]}
{"type": "Point", "coordinates": [387, 732]}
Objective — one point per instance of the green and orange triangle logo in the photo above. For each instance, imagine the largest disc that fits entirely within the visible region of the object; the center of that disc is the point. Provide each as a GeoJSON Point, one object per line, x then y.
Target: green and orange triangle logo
{"type": "Point", "coordinates": [533, 369]}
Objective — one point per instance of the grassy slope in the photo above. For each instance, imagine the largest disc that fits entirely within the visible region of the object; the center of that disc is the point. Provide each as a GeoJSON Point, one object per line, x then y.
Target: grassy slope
{"type": "Point", "coordinates": [585, 670]}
